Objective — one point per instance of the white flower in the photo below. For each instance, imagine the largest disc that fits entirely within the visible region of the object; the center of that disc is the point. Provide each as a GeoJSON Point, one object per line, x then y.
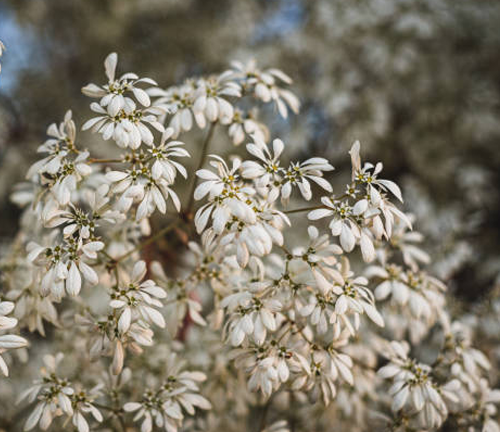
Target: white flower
{"type": "Point", "coordinates": [164, 407]}
{"type": "Point", "coordinates": [348, 223]}
{"type": "Point", "coordinates": [127, 128]}
{"type": "Point", "coordinates": [301, 173]}
{"type": "Point", "coordinates": [53, 395]}
{"type": "Point", "coordinates": [79, 224]}
{"type": "Point", "coordinates": [265, 86]}
{"type": "Point", "coordinates": [242, 219]}
{"type": "Point", "coordinates": [208, 98]}
{"type": "Point", "coordinates": [343, 223]}
{"type": "Point", "coordinates": [320, 309]}
{"type": "Point", "coordinates": [242, 125]}
{"type": "Point", "coordinates": [60, 144]}
{"type": "Point", "coordinates": [164, 166]}
{"type": "Point", "coordinates": [138, 185]}
{"type": "Point", "coordinates": [320, 382]}
{"type": "Point", "coordinates": [250, 315]}
{"type": "Point", "coordinates": [269, 173]}
{"type": "Point", "coordinates": [268, 169]}
{"type": "Point", "coordinates": [115, 94]}
{"type": "Point", "coordinates": [365, 176]}
{"type": "Point", "coordinates": [64, 167]}
{"type": "Point", "coordinates": [414, 390]}
{"type": "Point", "coordinates": [422, 293]}
{"type": "Point", "coordinates": [8, 341]}
{"type": "Point", "coordinates": [338, 301]}
{"type": "Point", "coordinates": [185, 303]}
{"type": "Point", "coordinates": [264, 376]}
{"type": "Point", "coordinates": [227, 197]}
{"type": "Point", "coordinates": [467, 363]}
{"type": "Point", "coordinates": [138, 300]}
{"type": "Point", "coordinates": [320, 259]}
{"type": "Point", "coordinates": [83, 404]}
{"type": "Point", "coordinates": [180, 101]}
{"type": "Point", "coordinates": [215, 184]}
{"type": "Point", "coordinates": [65, 264]}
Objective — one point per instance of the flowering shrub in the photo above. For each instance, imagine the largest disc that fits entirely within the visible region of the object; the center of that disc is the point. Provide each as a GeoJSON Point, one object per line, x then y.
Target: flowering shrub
{"type": "Point", "coordinates": [240, 302]}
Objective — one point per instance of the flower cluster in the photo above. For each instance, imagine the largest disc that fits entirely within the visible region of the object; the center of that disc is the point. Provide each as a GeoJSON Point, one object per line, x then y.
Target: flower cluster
{"type": "Point", "coordinates": [57, 397]}
{"type": "Point", "coordinates": [163, 407]}
{"type": "Point", "coordinates": [231, 303]}
{"type": "Point", "coordinates": [426, 395]}
{"type": "Point", "coordinates": [414, 391]}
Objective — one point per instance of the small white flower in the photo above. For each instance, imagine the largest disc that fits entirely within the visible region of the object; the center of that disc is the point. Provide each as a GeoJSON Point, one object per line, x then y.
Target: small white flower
{"type": "Point", "coordinates": [127, 128]}
{"type": "Point", "coordinates": [115, 94]}
{"type": "Point", "coordinates": [265, 86]}
{"type": "Point", "coordinates": [8, 341]}
{"type": "Point", "coordinates": [164, 166]}
{"type": "Point", "coordinates": [53, 395]}
{"type": "Point", "coordinates": [241, 126]}
{"type": "Point", "coordinates": [209, 98]}
{"type": "Point", "coordinates": [83, 404]}
{"type": "Point", "coordinates": [138, 300]}
{"type": "Point", "coordinates": [414, 390]}
{"type": "Point", "coordinates": [268, 172]}
{"type": "Point", "coordinates": [180, 101]}
{"type": "Point", "coordinates": [60, 144]}
{"type": "Point", "coordinates": [65, 265]}
{"type": "Point", "coordinates": [149, 189]}
{"type": "Point", "coordinates": [250, 315]}
{"type": "Point", "coordinates": [164, 407]}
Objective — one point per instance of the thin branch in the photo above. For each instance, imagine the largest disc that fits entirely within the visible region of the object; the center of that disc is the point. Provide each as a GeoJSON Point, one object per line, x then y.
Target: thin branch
{"type": "Point", "coordinates": [264, 413]}
{"type": "Point", "coordinates": [117, 412]}
{"type": "Point", "coordinates": [204, 150]}
{"type": "Point", "coordinates": [150, 240]}
{"type": "Point", "coordinates": [93, 160]}
{"type": "Point", "coordinates": [122, 422]}
{"type": "Point", "coordinates": [107, 408]}
{"type": "Point", "coordinates": [303, 209]}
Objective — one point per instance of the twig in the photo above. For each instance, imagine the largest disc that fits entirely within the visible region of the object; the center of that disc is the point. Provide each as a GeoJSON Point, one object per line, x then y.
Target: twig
{"type": "Point", "coordinates": [303, 209]}
{"type": "Point", "coordinates": [263, 417]}
{"type": "Point", "coordinates": [150, 240]}
{"type": "Point", "coordinates": [93, 160]}
{"type": "Point", "coordinates": [204, 149]}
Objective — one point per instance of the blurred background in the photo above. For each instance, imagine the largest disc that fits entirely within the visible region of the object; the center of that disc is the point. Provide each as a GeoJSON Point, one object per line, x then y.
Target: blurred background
{"type": "Point", "coordinates": [416, 81]}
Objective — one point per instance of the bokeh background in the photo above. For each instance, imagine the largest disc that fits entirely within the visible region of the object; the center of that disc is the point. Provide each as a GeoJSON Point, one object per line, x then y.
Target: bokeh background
{"type": "Point", "coordinates": [417, 81]}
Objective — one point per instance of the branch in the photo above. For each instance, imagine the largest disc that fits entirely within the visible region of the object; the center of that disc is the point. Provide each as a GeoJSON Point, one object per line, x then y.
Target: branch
{"type": "Point", "coordinates": [150, 240]}
{"type": "Point", "coordinates": [107, 408]}
{"type": "Point", "coordinates": [303, 209]}
{"type": "Point", "coordinates": [204, 149]}
{"type": "Point", "coordinates": [94, 160]}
